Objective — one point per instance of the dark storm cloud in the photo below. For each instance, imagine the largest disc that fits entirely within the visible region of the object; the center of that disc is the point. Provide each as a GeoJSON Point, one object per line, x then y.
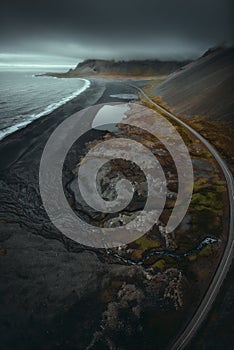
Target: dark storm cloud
{"type": "Point", "coordinates": [108, 28]}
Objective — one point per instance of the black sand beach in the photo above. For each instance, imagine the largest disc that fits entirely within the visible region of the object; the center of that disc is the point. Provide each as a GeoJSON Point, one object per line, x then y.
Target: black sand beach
{"type": "Point", "coordinates": [45, 277]}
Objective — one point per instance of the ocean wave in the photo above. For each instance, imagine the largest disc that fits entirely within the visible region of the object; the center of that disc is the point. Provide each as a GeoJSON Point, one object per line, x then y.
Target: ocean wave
{"type": "Point", "coordinates": [53, 106]}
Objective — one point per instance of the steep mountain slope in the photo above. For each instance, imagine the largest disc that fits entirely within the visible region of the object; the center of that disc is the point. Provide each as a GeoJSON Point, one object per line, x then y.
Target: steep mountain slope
{"type": "Point", "coordinates": [204, 87]}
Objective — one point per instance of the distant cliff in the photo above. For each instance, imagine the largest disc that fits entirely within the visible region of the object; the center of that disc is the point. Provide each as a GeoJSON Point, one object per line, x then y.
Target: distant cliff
{"type": "Point", "coordinates": [94, 67]}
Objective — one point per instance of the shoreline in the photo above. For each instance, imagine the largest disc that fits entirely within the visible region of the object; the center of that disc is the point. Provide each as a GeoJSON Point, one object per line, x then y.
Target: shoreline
{"type": "Point", "coordinates": [103, 76]}
{"type": "Point", "coordinates": [14, 145]}
{"type": "Point", "coordinates": [47, 110]}
{"type": "Point", "coordinates": [35, 134]}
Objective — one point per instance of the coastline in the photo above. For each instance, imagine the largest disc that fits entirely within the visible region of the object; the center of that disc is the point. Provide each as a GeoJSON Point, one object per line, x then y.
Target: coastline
{"type": "Point", "coordinates": [48, 109]}
{"type": "Point", "coordinates": [36, 133]}
{"type": "Point", "coordinates": [14, 145]}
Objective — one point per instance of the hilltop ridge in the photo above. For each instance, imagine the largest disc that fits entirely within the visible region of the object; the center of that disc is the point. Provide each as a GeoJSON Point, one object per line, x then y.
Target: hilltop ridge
{"type": "Point", "coordinates": [98, 67]}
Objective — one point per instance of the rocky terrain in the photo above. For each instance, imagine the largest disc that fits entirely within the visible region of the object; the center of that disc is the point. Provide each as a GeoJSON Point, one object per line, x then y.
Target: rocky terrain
{"type": "Point", "coordinates": [156, 256]}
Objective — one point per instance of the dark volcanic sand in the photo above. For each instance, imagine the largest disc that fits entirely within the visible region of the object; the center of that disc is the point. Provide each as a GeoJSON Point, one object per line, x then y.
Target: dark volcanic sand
{"type": "Point", "coordinates": [40, 273]}
{"type": "Point", "coordinates": [49, 284]}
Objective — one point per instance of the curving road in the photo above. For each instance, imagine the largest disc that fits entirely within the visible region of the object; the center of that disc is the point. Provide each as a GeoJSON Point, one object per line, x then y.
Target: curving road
{"type": "Point", "coordinates": [226, 261]}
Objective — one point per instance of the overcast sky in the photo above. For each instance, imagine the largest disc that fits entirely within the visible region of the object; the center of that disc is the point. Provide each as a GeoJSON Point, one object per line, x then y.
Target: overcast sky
{"type": "Point", "coordinates": [70, 30]}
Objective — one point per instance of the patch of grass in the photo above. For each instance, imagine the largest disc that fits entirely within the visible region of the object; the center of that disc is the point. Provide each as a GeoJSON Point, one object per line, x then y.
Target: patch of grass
{"type": "Point", "coordinates": [160, 264]}
{"type": "Point", "coordinates": [208, 200]}
{"type": "Point", "coordinates": [144, 243]}
{"type": "Point", "coordinates": [206, 251]}
{"type": "Point", "coordinates": [219, 133]}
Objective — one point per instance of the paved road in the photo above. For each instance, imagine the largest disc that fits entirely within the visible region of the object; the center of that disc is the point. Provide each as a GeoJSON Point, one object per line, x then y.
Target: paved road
{"type": "Point", "coordinates": [226, 261]}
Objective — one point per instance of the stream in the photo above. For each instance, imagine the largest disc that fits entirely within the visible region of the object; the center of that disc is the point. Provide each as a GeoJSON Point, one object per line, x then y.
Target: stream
{"type": "Point", "coordinates": [206, 241]}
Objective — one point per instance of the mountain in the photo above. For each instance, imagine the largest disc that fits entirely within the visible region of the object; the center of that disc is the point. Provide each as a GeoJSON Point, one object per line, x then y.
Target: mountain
{"type": "Point", "coordinates": [204, 87]}
{"type": "Point", "coordinates": [94, 67]}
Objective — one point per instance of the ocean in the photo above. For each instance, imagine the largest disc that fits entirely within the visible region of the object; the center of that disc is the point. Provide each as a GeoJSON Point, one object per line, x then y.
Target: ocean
{"type": "Point", "coordinates": [25, 97]}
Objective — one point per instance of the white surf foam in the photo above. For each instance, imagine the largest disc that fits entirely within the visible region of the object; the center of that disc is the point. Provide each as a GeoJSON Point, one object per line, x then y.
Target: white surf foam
{"type": "Point", "coordinates": [30, 118]}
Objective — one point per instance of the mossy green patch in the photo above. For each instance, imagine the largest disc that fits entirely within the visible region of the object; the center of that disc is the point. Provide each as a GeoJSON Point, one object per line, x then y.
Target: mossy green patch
{"type": "Point", "coordinates": [206, 251]}
{"type": "Point", "coordinates": [160, 264]}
